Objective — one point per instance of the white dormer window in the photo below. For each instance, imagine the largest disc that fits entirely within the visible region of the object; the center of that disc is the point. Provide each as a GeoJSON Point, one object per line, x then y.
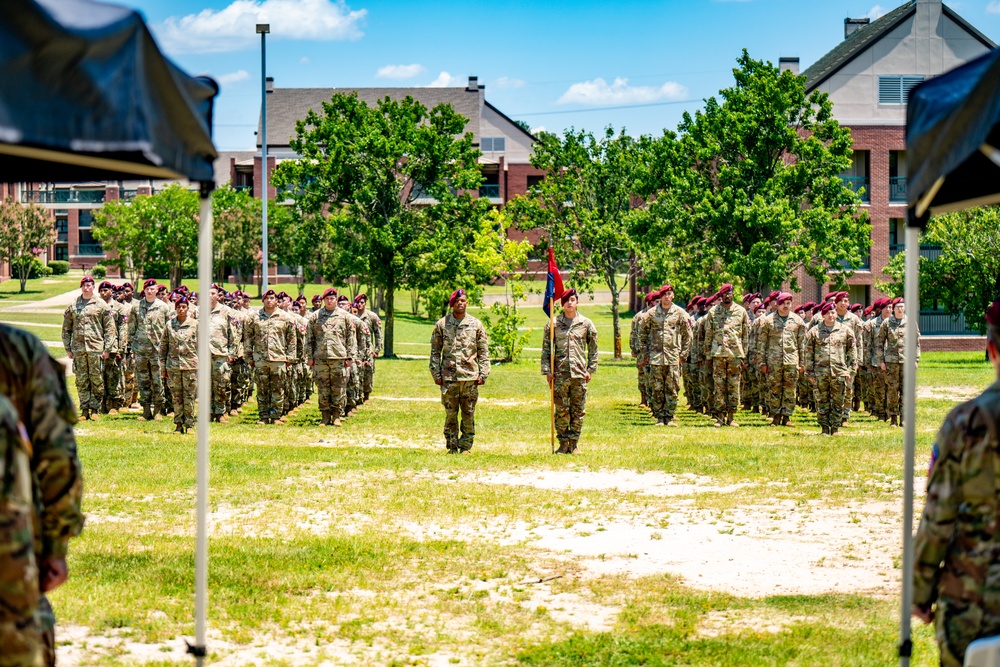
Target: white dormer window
{"type": "Point", "coordinates": [896, 89]}
{"type": "Point", "coordinates": [493, 144]}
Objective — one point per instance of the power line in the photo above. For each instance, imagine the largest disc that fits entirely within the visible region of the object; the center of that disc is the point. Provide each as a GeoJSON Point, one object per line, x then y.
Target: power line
{"type": "Point", "coordinates": [614, 108]}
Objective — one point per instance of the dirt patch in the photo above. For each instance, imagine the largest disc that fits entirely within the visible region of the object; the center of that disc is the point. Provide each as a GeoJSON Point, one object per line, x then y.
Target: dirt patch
{"type": "Point", "coordinates": [623, 481]}
{"type": "Point", "coordinates": [955, 394]}
{"type": "Point", "coordinates": [717, 623]}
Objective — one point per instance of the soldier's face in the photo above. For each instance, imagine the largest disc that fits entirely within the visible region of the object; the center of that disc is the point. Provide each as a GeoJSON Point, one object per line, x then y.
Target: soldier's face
{"type": "Point", "coordinates": [150, 293]}
{"type": "Point", "coordinates": [105, 293]}
{"type": "Point", "coordinates": [460, 306]}
{"type": "Point", "coordinates": [344, 305]}
{"type": "Point", "coordinates": [785, 307]}
{"type": "Point", "coordinates": [842, 305]}
{"type": "Point", "coordinates": [727, 298]}
{"type": "Point", "coordinates": [87, 289]}
{"type": "Point", "coordinates": [182, 311]}
{"type": "Point", "coordinates": [667, 299]}
{"type": "Point", "coordinates": [270, 302]}
{"type": "Point", "coordinates": [829, 317]}
{"type": "Point", "coordinates": [899, 310]}
{"type": "Point", "coordinates": [755, 304]}
{"type": "Point", "coordinates": [330, 302]}
{"type": "Point", "coordinates": [362, 304]}
{"type": "Point", "coordinates": [570, 306]}
{"type": "Point", "coordinates": [215, 298]}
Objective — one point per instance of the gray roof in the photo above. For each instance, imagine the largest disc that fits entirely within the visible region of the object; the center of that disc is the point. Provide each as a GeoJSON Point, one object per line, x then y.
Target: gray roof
{"type": "Point", "coordinates": [866, 36]}
{"type": "Point", "coordinates": [285, 106]}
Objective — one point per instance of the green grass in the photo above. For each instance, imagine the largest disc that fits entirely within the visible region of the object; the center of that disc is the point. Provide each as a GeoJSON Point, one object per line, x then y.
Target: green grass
{"type": "Point", "coordinates": [368, 538]}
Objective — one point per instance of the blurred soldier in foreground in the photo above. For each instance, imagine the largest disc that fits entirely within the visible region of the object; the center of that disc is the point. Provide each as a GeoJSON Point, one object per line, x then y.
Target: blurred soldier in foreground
{"type": "Point", "coordinates": [89, 336]}
{"type": "Point", "coordinates": [460, 364]}
{"type": "Point", "coordinates": [957, 547]}
{"type": "Point", "coordinates": [576, 362]}
{"type": "Point", "coordinates": [40, 497]}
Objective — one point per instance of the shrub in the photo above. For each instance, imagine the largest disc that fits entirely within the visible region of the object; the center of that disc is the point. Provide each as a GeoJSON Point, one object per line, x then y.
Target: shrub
{"type": "Point", "coordinates": [59, 267]}
{"type": "Point", "coordinates": [36, 269]}
{"type": "Point", "coordinates": [506, 338]}
{"type": "Point", "coordinates": [99, 272]}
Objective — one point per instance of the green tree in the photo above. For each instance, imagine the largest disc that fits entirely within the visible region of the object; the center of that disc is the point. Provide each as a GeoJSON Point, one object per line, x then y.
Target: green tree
{"type": "Point", "coordinates": [237, 232]}
{"type": "Point", "coordinates": [494, 255]}
{"type": "Point", "coordinates": [173, 215]}
{"type": "Point", "coordinates": [25, 233]}
{"type": "Point", "coordinates": [749, 189]}
{"type": "Point", "coordinates": [118, 227]}
{"type": "Point", "coordinates": [374, 165]}
{"type": "Point", "coordinates": [966, 275]}
{"type": "Point", "coordinates": [587, 202]}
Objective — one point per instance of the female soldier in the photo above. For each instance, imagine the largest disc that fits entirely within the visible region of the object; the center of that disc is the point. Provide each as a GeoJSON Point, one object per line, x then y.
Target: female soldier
{"type": "Point", "coordinates": [179, 360]}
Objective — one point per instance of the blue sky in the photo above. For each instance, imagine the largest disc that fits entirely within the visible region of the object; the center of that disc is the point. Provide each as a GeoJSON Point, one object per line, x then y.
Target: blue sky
{"type": "Point", "coordinates": [557, 64]}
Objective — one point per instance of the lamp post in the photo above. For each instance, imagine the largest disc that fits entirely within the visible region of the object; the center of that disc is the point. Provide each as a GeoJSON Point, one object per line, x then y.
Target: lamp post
{"type": "Point", "coordinates": [262, 30]}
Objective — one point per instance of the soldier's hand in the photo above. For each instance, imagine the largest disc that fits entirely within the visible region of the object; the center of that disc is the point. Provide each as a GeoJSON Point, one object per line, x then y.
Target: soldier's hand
{"type": "Point", "coordinates": [105, 355]}
{"type": "Point", "coordinates": [882, 365]}
{"type": "Point", "coordinates": [586, 378]}
{"type": "Point", "coordinates": [802, 369]}
{"type": "Point", "coordinates": [438, 381]}
{"type": "Point", "coordinates": [763, 369]}
{"type": "Point", "coordinates": [52, 573]}
{"type": "Point", "coordinates": [812, 378]}
{"type": "Point", "coordinates": [550, 378]}
{"type": "Point", "coordinates": [164, 375]}
{"type": "Point", "coordinates": [311, 362]}
{"type": "Point", "coordinates": [348, 362]}
{"type": "Point", "coordinates": [70, 355]}
{"type": "Point", "coordinates": [924, 614]}
{"type": "Point", "coordinates": [480, 382]}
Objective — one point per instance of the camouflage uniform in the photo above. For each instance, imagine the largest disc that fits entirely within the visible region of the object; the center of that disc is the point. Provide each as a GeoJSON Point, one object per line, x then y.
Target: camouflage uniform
{"type": "Point", "coordinates": [362, 334]}
{"type": "Point", "coordinates": [829, 355]}
{"type": "Point", "coordinates": [727, 337]}
{"type": "Point", "coordinates": [35, 384]}
{"type": "Point", "coordinates": [240, 369]}
{"type": "Point", "coordinates": [220, 345]}
{"type": "Point", "coordinates": [694, 387]}
{"type": "Point", "coordinates": [375, 351]}
{"type": "Point", "coordinates": [664, 340]}
{"type": "Point", "coordinates": [890, 344]}
{"type": "Point", "coordinates": [114, 383]}
{"type": "Point", "coordinates": [575, 358]}
{"type": "Point", "coordinates": [852, 322]}
{"type": "Point", "coordinates": [460, 361]}
{"type": "Point", "coordinates": [293, 386]}
{"type": "Point", "coordinates": [130, 390]}
{"type": "Point", "coordinates": [88, 331]}
{"type": "Point", "coordinates": [179, 357]}
{"type": "Point", "coordinates": [957, 547]}
{"type": "Point", "coordinates": [704, 372]}
{"type": "Point", "coordinates": [330, 341]}
{"type": "Point", "coordinates": [634, 347]}
{"type": "Point", "coordinates": [145, 333]}
{"type": "Point", "coordinates": [779, 345]}
{"type": "Point", "coordinates": [270, 344]}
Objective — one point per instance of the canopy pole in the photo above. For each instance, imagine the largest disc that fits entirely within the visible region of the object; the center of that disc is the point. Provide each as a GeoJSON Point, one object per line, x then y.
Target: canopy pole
{"type": "Point", "coordinates": [911, 297]}
{"type": "Point", "coordinates": [204, 416]}
{"type": "Point", "coordinates": [924, 202]}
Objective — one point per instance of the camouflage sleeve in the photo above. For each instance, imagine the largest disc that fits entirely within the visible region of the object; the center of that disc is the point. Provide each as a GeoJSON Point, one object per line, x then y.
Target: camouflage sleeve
{"type": "Point", "coordinates": [879, 353]}
{"type": "Point", "coordinates": [131, 323]}
{"type": "Point", "coordinates": [291, 345]}
{"type": "Point", "coordinates": [546, 350]}
{"type": "Point", "coordinates": [642, 340]}
{"type": "Point", "coordinates": [164, 349]}
{"type": "Point", "coordinates": [633, 335]}
{"type": "Point", "coordinates": [437, 343]}
{"type": "Point", "coordinates": [592, 351]}
{"type": "Point", "coordinates": [483, 352]}
{"type": "Point", "coordinates": [762, 342]}
{"type": "Point", "coordinates": [377, 330]}
{"type": "Point", "coordinates": [808, 350]}
{"type": "Point", "coordinates": [248, 329]}
{"type": "Point", "coordinates": [352, 340]}
{"type": "Point", "coordinates": [745, 335]}
{"type": "Point", "coordinates": [709, 335]}
{"type": "Point", "coordinates": [110, 331]}
{"type": "Point", "coordinates": [685, 338]}
{"type": "Point", "coordinates": [937, 523]}
{"type": "Point", "coordinates": [851, 353]}
{"type": "Point", "coordinates": [48, 414]}
{"type": "Point", "coordinates": [67, 329]}
{"type": "Point", "coordinates": [309, 342]}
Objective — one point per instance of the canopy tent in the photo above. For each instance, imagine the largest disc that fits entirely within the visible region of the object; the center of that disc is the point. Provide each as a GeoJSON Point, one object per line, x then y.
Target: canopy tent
{"type": "Point", "coordinates": [87, 95]}
{"type": "Point", "coordinates": [952, 141]}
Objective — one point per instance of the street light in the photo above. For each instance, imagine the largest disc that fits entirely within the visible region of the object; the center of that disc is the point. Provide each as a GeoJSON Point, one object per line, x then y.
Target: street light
{"type": "Point", "coordinates": [262, 30]}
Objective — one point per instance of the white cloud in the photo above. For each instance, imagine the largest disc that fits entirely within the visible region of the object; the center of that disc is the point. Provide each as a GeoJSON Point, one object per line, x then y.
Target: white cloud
{"type": "Point", "coordinates": [536, 130]}
{"type": "Point", "coordinates": [304, 60]}
{"type": "Point", "coordinates": [598, 92]}
{"type": "Point", "coordinates": [878, 10]}
{"type": "Point", "coordinates": [444, 80]}
{"type": "Point", "coordinates": [400, 71]}
{"type": "Point", "coordinates": [993, 7]}
{"type": "Point", "coordinates": [234, 77]}
{"type": "Point", "coordinates": [233, 28]}
{"type": "Point", "coordinates": [508, 82]}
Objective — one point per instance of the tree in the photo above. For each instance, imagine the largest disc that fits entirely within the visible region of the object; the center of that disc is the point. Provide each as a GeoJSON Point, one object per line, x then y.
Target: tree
{"type": "Point", "coordinates": [493, 255]}
{"type": "Point", "coordinates": [368, 167]}
{"type": "Point", "coordinates": [237, 226]}
{"type": "Point", "coordinates": [966, 275]}
{"type": "Point", "coordinates": [587, 202]}
{"type": "Point", "coordinates": [25, 233]}
{"type": "Point", "coordinates": [751, 188]}
{"type": "Point", "coordinates": [118, 227]}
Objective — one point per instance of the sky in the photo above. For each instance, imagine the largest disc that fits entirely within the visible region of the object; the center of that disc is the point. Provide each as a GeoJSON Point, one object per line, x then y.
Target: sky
{"type": "Point", "coordinates": [553, 64]}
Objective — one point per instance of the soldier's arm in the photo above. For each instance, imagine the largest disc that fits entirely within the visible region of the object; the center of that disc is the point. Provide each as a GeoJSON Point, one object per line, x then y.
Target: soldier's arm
{"type": "Point", "coordinates": [745, 333]}
{"type": "Point", "coordinates": [592, 351]}
{"type": "Point", "coordinates": [132, 323]}
{"type": "Point", "coordinates": [67, 329]}
{"type": "Point", "coordinates": [309, 342]}
{"type": "Point", "coordinates": [851, 353]}
{"type": "Point", "coordinates": [164, 349]}
{"type": "Point", "coordinates": [110, 331]}
{"type": "Point", "coordinates": [642, 340]}
{"type": "Point", "coordinates": [880, 343]}
{"type": "Point", "coordinates": [437, 342]}
{"type": "Point", "coordinates": [291, 346]}
{"type": "Point", "coordinates": [709, 336]}
{"type": "Point", "coordinates": [685, 338]}
{"type": "Point", "coordinates": [352, 340]}
{"type": "Point", "coordinates": [482, 352]}
{"type": "Point", "coordinates": [379, 341]}
{"type": "Point", "coordinates": [937, 523]}
{"type": "Point", "coordinates": [808, 348]}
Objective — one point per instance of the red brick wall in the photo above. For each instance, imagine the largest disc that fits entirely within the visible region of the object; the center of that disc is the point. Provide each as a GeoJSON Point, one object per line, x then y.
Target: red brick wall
{"type": "Point", "coordinates": [258, 182]}
{"type": "Point", "coordinates": [516, 179]}
{"type": "Point", "coordinates": [952, 343]}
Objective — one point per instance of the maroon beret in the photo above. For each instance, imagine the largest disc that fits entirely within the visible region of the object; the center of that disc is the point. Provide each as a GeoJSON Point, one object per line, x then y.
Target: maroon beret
{"type": "Point", "coordinates": [898, 299]}
{"type": "Point", "coordinates": [725, 288]}
{"type": "Point", "coordinates": [783, 297]}
{"type": "Point", "coordinates": [86, 279]}
{"type": "Point", "coordinates": [826, 308]}
{"type": "Point", "coordinates": [361, 297]}
{"type": "Point", "coordinates": [666, 288]}
{"type": "Point", "coordinates": [105, 285]}
{"type": "Point", "coordinates": [455, 296]}
{"type": "Point", "coordinates": [268, 293]}
{"type": "Point", "coordinates": [329, 291]}
{"type": "Point", "coordinates": [652, 296]}
{"type": "Point", "coordinates": [566, 295]}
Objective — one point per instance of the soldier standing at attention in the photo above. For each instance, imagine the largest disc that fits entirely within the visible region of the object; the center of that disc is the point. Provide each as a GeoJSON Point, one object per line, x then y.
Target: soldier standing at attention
{"type": "Point", "coordinates": [221, 344]}
{"type": "Point", "coordinates": [727, 334]}
{"type": "Point", "coordinates": [43, 509]}
{"type": "Point", "coordinates": [830, 355]}
{"type": "Point", "coordinates": [239, 368]}
{"type": "Point", "coordinates": [362, 338]}
{"type": "Point", "coordinates": [664, 341]}
{"type": "Point", "coordinates": [375, 345]}
{"type": "Point", "coordinates": [179, 361]}
{"type": "Point", "coordinates": [145, 333]}
{"type": "Point", "coordinates": [576, 362]}
{"type": "Point", "coordinates": [269, 338]}
{"type": "Point", "coordinates": [693, 388]}
{"type": "Point", "coordinates": [957, 545]}
{"type": "Point", "coordinates": [779, 343]}
{"type": "Point", "coordinates": [460, 364]}
{"type": "Point", "coordinates": [890, 356]}
{"type": "Point", "coordinates": [131, 398]}
{"type": "Point", "coordinates": [114, 386]}
{"type": "Point", "coordinates": [90, 337]}
{"type": "Point", "coordinates": [330, 348]}
{"type": "Point", "coordinates": [844, 315]}
{"type": "Point", "coordinates": [635, 349]}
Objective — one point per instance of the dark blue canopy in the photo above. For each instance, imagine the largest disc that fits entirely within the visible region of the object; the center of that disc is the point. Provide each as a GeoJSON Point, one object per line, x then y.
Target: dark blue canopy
{"type": "Point", "coordinates": [85, 94]}
{"type": "Point", "coordinates": [951, 129]}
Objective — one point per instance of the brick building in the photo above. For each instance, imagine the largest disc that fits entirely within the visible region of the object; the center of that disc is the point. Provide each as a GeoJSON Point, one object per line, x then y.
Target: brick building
{"type": "Point", "coordinates": [868, 77]}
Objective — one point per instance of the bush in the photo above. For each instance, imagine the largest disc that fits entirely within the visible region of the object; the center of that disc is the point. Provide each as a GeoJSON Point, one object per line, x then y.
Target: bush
{"type": "Point", "coordinates": [506, 338]}
{"type": "Point", "coordinates": [99, 272]}
{"type": "Point", "coordinates": [36, 269]}
{"type": "Point", "coordinates": [59, 267]}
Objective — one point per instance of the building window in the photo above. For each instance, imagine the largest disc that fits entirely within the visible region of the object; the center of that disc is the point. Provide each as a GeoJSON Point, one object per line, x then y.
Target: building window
{"type": "Point", "coordinates": [856, 177]}
{"type": "Point", "coordinates": [896, 89]}
{"type": "Point", "coordinates": [535, 180]}
{"type": "Point", "coordinates": [897, 176]}
{"type": "Point", "coordinates": [62, 253]}
{"type": "Point", "coordinates": [86, 219]}
{"type": "Point", "coordinates": [493, 144]}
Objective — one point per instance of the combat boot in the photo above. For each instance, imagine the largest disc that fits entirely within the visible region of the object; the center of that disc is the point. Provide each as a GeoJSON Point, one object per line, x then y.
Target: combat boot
{"type": "Point", "coordinates": [282, 419]}
{"type": "Point", "coordinates": [671, 423]}
{"type": "Point", "coordinates": [85, 415]}
{"type": "Point", "coordinates": [93, 415]}
{"type": "Point", "coordinates": [113, 411]}
{"type": "Point", "coordinates": [147, 414]}
{"type": "Point", "coordinates": [326, 419]}
{"type": "Point", "coordinates": [336, 422]}
{"type": "Point", "coordinates": [777, 421]}
{"type": "Point", "coordinates": [826, 430]}
{"type": "Point", "coordinates": [158, 414]}
{"type": "Point", "coordinates": [785, 421]}
{"type": "Point", "coordinates": [366, 399]}
{"type": "Point", "coordinates": [179, 429]}
{"type": "Point", "coordinates": [730, 421]}
{"type": "Point", "coordinates": [573, 449]}
{"type": "Point", "coordinates": [223, 419]}
{"type": "Point", "coordinates": [659, 422]}
{"type": "Point", "coordinates": [833, 430]}
{"type": "Point", "coordinates": [892, 420]}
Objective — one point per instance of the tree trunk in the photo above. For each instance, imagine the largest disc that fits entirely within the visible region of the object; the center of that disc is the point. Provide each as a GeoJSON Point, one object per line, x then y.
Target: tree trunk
{"type": "Point", "coordinates": [390, 319]}
{"type": "Point", "coordinates": [176, 276]}
{"type": "Point", "coordinates": [616, 324]}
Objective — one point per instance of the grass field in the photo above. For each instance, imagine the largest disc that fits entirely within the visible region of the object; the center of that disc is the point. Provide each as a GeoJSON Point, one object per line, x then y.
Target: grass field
{"type": "Point", "coordinates": [367, 545]}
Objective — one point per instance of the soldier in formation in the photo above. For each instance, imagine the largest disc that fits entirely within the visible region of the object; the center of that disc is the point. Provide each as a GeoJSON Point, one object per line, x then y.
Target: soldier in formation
{"type": "Point", "coordinates": [222, 347]}
{"type": "Point", "coordinates": [269, 338]}
{"type": "Point", "coordinates": [330, 350]}
{"type": "Point", "coordinates": [890, 356]}
{"type": "Point", "coordinates": [114, 382]}
{"type": "Point", "coordinates": [375, 342]}
{"type": "Point", "coordinates": [634, 346]}
{"type": "Point", "coordinates": [179, 361]}
{"type": "Point", "coordinates": [956, 546]}
{"type": "Point", "coordinates": [575, 340]}
{"type": "Point", "coordinates": [727, 333]}
{"type": "Point", "coordinates": [146, 326]}
{"type": "Point", "coordinates": [830, 357]}
{"type": "Point", "coordinates": [90, 337]}
{"type": "Point", "coordinates": [664, 341]}
{"type": "Point", "coordinates": [779, 342]}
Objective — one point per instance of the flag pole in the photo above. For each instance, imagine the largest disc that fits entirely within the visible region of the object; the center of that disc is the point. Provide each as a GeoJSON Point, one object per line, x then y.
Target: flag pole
{"type": "Point", "coordinates": [552, 370]}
